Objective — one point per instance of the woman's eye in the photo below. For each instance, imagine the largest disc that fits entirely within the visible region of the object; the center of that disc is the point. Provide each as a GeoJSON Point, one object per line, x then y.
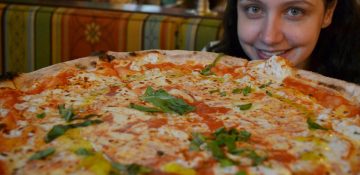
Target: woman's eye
{"type": "Point", "coordinates": [295, 12]}
{"type": "Point", "coordinates": [253, 11]}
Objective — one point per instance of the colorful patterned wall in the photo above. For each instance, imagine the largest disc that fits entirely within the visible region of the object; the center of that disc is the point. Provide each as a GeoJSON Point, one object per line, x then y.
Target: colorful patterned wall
{"type": "Point", "coordinates": [33, 37]}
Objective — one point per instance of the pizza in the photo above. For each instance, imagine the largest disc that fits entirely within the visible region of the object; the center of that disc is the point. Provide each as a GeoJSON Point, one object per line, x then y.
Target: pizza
{"type": "Point", "coordinates": [178, 112]}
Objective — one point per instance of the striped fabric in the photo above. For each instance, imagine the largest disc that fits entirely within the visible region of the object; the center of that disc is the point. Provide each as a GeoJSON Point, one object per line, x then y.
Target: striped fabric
{"type": "Point", "coordinates": [33, 37]}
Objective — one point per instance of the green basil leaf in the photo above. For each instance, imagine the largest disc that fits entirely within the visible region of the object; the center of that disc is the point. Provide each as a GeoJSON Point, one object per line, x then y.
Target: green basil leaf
{"type": "Point", "coordinates": [265, 85]}
{"type": "Point", "coordinates": [244, 136]}
{"type": "Point", "coordinates": [84, 152]}
{"type": "Point", "coordinates": [55, 132]}
{"type": "Point", "coordinates": [91, 116]}
{"type": "Point", "coordinates": [41, 116]}
{"type": "Point", "coordinates": [313, 125]}
{"type": "Point", "coordinates": [237, 91]}
{"type": "Point", "coordinates": [215, 150]}
{"type": "Point", "coordinates": [269, 93]}
{"type": "Point", "coordinates": [251, 154]}
{"type": "Point", "coordinates": [219, 131]}
{"type": "Point", "coordinates": [197, 141]}
{"type": "Point", "coordinates": [144, 108]}
{"type": "Point", "coordinates": [222, 94]}
{"type": "Point", "coordinates": [207, 70]}
{"type": "Point", "coordinates": [166, 102]}
{"type": "Point", "coordinates": [246, 90]}
{"type": "Point", "coordinates": [66, 113]}
{"type": "Point", "coordinates": [257, 160]}
{"type": "Point", "coordinates": [241, 172]}
{"type": "Point", "coordinates": [42, 154]}
{"type": "Point", "coordinates": [226, 162]}
{"type": "Point", "coordinates": [245, 106]}
{"type": "Point", "coordinates": [132, 169]}
{"type": "Point", "coordinates": [59, 130]}
{"type": "Point", "coordinates": [85, 123]}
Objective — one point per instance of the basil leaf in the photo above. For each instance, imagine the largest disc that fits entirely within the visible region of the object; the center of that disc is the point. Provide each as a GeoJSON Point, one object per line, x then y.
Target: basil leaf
{"type": "Point", "coordinates": [66, 113]}
{"type": "Point", "coordinates": [197, 141]}
{"type": "Point", "coordinates": [41, 116]}
{"type": "Point", "coordinates": [55, 132]}
{"type": "Point", "coordinates": [84, 152]}
{"type": "Point", "coordinates": [245, 106]}
{"type": "Point", "coordinates": [237, 91]}
{"type": "Point", "coordinates": [215, 150]}
{"type": "Point", "coordinates": [91, 116]}
{"type": "Point", "coordinates": [246, 90]}
{"type": "Point", "coordinates": [85, 123]}
{"type": "Point", "coordinates": [269, 93]}
{"type": "Point", "coordinates": [132, 169]}
{"type": "Point", "coordinates": [226, 162]}
{"type": "Point", "coordinates": [244, 136]}
{"type": "Point", "coordinates": [257, 160]}
{"type": "Point", "coordinates": [144, 108]}
{"type": "Point", "coordinates": [222, 94]}
{"type": "Point", "coordinates": [241, 172]}
{"type": "Point", "coordinates": [166, 102]}
{"type": "Point", "coordinates": [207, 70]}
{"type": "Point", "coordinates": [313, 125]}
{"type": "Point", "coordinates": [265, 85]}
{"type": "Point", "coordinates": [251, 154]}
{"type": "Point", "coordinates": [59, 130]}
{"type": "Point", "coordinates": [42, 154]}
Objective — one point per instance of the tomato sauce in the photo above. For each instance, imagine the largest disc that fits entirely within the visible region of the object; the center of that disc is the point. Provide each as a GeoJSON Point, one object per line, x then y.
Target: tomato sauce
{"type": "Point", "coordinates": [8, 144]}
{"type": "Point", "coordinates": [157, 123]}
{"type": "Point", "coordinates": [222, 70]}
{"type": "Point", "coordinates": [60, 79]}
{"type": "Point", "coordinates": [208, 114]}
{"type": "Point", "coordinates": [113, 90]}
{"type": "Point", "coordinates": [325, 97]}
{"type": "Point", "coordinates": [106, 69]}
{"type": "Point", "coordinates": [10, 97]}
{"type": "Point", "coordinates": [3, 167]}
{"type": "Point", "coordinates": [282, 156]}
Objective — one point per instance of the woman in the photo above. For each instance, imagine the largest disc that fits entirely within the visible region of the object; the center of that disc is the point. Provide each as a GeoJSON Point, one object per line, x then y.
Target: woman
{"type": "Point", "coordinates": [318, 35]}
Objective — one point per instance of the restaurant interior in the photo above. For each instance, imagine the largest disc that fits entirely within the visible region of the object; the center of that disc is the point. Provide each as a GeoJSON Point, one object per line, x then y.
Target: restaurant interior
{"type": "Point", "coordinates": [38, 33]}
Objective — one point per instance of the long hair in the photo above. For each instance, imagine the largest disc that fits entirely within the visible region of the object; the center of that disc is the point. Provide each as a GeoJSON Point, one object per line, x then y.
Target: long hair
{"type": "Point", "coordinates": [337, 52]}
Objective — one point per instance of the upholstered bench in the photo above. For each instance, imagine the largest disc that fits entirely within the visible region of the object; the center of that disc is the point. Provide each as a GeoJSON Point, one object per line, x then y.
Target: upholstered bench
{"type": "Point", "coordinates": [35, 36]}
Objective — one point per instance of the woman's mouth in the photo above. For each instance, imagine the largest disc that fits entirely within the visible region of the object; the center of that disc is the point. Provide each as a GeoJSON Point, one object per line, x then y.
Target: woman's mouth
{"type": "Point", "coordinates": [264, 54]}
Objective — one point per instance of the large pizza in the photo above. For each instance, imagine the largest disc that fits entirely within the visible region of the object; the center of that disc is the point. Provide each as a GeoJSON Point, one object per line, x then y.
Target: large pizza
{"type": "Point", "coordinates": [178, 112]}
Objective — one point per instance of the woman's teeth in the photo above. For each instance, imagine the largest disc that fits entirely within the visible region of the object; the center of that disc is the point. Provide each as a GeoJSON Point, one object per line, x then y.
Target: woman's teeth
{"type": "Point", "coordinates": [272, 53]}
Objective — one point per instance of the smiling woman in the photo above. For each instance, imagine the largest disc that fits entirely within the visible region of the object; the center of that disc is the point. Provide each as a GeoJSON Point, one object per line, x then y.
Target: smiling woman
{"type": "Point", "coordinates": [318, 35]}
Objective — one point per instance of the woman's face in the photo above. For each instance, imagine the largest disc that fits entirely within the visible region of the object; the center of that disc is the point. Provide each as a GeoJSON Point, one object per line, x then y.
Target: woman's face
{"type": "Point", "coordinates": [287, 28]}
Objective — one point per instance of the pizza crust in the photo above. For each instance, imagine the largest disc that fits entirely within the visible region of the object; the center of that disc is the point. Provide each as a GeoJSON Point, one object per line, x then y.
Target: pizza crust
{"type": "Point", "coordinates": [350, 90]}
{"type": "Point", "coordinates": [7, 84]}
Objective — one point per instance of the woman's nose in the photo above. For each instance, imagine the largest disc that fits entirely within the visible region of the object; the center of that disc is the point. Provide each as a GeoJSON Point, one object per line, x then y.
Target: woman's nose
{"type": "Point", "coordinates": [271, 32]}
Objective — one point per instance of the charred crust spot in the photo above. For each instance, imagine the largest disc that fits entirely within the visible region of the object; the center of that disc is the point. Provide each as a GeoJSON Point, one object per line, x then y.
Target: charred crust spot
{"type": "Point", "coordinates": [160, 153]}
{"type": "Point", "coordinates": [80, 66]}
{"type": "Point", "coordinates": [8, 76]}
{"type": "Point", "coordinates": [106, 57]}
{"type": "Point", "coordinates": [2, 126]}
{"type": "Point", "coordinates": [331, 86]}
{"type": "Point", "coordinates": [133, 54]}
{"type": "Point", "coordinates": [93, 63]}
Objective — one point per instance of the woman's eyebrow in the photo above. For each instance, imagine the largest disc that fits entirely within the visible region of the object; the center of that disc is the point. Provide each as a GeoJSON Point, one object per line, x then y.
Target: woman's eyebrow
{"type": "Point", "coordinates": [292, 2]}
